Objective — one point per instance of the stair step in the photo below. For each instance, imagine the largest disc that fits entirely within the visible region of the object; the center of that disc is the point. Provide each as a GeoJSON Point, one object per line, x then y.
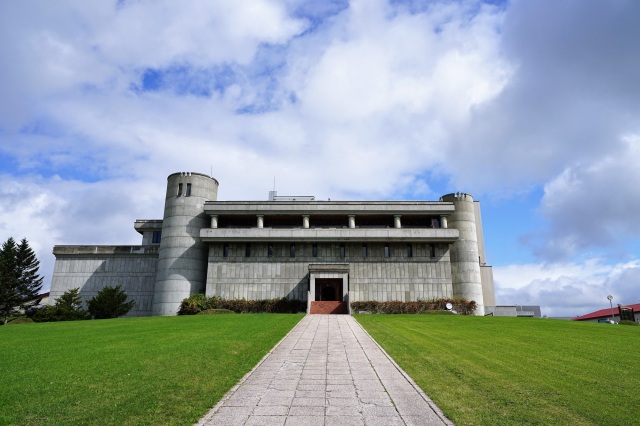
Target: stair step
{"type": "Point", "coordinates": [328, 308]}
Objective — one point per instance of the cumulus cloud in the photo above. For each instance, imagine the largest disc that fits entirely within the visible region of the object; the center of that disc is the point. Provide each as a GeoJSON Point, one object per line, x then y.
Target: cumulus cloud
{"type": "Point", "coordinates": [568, 289]}
{"type": "Point", "coordinates": [360, 100]}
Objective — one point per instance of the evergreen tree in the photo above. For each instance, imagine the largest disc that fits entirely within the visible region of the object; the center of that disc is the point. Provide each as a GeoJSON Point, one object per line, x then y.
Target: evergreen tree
{"type": "Point", "coordinates": [110, 302]}
{"type": "Point", "coordinates": [20, 283]}
{"type": "Point", "coordinates": [68, 307]}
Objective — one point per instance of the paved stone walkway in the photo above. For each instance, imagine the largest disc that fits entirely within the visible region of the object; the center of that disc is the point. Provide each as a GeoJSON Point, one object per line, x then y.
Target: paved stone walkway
{"type": "Point", "coordinates": [326, 371]}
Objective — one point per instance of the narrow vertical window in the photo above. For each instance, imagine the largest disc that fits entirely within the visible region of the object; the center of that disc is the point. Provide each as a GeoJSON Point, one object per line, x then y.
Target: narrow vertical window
{"type": "Point", "coordinates": [179, 189]}
{"type": "Point", "coordinates": [409, 250]}
{"type": "Point", "coordinates": [387, 252]}
{"type": "Point", "coordinates": [225, 250]}
{"type": "Point", "coordinates": [365, 251]}
{"type": "Point", "coordinates": [342, 251]}
{"type": "Point", "coordinates": [188, 193]}
{"type": "Point", "coordinates": [292, 250]}
{"type": "Point", "coordinates": [247, 250]}
{"type": "Point", "coordinates": [432, 250]}
{"type": "Point", "coordinates": [156, 237]}
{"type": "Point", "coordinates": [314, 250]}
{"type": "Point", "coordinates": [269, 249]}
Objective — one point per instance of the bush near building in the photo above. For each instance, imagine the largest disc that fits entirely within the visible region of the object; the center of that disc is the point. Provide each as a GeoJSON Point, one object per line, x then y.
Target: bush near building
{"type": "Point", "coordinates": [461, 306]}
{"type": "Point", "coordinates": [199, 302]}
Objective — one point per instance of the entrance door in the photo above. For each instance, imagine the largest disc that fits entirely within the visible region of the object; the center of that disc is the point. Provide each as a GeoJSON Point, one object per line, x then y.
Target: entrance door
{"type": "Point", "coordinates": [328, 289]}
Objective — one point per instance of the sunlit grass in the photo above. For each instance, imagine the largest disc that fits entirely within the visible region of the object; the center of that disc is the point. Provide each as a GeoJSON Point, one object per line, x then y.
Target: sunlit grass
{"type": "Point", "coordinates": [131, 371]}
{"type": "Point", "coordinates": [513, 371]}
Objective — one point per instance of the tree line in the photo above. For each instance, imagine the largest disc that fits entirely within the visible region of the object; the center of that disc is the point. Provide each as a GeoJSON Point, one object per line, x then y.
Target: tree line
{"type": "Point", "coordinates": [20, 286]}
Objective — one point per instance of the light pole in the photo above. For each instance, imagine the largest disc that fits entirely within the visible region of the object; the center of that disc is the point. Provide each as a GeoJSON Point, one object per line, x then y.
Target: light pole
{"type": "Point", "coordinates": [610, 297]}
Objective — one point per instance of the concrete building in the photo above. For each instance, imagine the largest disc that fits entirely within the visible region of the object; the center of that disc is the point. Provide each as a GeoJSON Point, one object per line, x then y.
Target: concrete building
{"type": "Point", "coordinates": [295, 247]}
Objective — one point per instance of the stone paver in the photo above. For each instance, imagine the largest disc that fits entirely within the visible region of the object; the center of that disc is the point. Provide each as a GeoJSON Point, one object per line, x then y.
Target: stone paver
{"type": "Point", "coordinates": [326, 371]}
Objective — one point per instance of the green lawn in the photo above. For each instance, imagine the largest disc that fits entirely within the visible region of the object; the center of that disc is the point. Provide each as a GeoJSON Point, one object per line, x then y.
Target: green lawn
{"type": "Point", "coordinates": [131, 371]}
{"type": "Point", "coordinates": [513, 371]}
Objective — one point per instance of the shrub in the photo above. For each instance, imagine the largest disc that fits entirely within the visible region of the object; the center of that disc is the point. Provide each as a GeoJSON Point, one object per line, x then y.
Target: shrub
{"type": "Point", "coordinates": [462, 306]}
{"type": "Point", "coordinates": [110, 302]}
{"type": "Point", "coordinates": [199, 302]}
{"type": "Point", "coordinates": [215, 312]}
{"type": "Point", "coordinates": [627, 322]}
{"type": "Point", "coordinates": [68, 307]}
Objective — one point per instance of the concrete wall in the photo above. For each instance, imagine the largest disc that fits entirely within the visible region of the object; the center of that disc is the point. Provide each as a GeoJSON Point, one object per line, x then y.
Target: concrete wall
{"type": "Point", "coordinates": [375, 277]}
{"type": "Point", "coordinates": [465, 254]}
{"type": "Point", "coordinates": [92, 272]}
{"type": "Point", "coordinates": [182, 260]}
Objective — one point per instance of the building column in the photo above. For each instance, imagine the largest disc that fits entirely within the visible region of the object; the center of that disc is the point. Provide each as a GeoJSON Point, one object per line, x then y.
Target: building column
{"type": "Point", "coordinates": [396, 221]}
{"type": "Point", "coordinates": [260, 221]}
{"type": "Point", "coordinates": [352, 221]}
{"type": "Point", "coordinates": [214, 221]}
{"type": "Point", "coordinates": [443, 222]}
{"type": "Point", "coordinates": [305, 221]}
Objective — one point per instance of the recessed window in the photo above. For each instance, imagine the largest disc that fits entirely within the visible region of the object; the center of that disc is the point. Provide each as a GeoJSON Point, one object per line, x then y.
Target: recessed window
{"type": "Point", "coordinates": [314, 250]}
{"type": "Point", "coordinates": [342, 250]}
{"type": "Point", "coordinates": [188, 193]}
{"type": "Point", "coordinates": [387, 251]}
{"type": "Point", "coordinates": [292, 250]}
{"type": "Point", "coordinates": [247, 250]}
{"type": "Point", "coordinates": [156, 237]}
{"type": "Point", "coordinates": [432, 250]}
{"type": "Point", "coordinates": [409, 250]}
{"type": "Point", "coordinates": [270, 249]}
{"type": "Point", "coordinates": [225, 250]}
{"type": "Point", "coordinates": [179, 189]}
{"type": "Point", "coordinates": [365, 250]}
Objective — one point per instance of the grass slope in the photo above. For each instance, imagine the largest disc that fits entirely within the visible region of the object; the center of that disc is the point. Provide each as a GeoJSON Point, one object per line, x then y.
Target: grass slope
{"type": "Point", "coordinates": [131, 371]}
{"type": "Point", "coordinates": [506, 371]}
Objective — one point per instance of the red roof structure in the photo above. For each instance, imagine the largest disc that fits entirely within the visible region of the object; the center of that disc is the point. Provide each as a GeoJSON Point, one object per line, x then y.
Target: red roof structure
{"type": "Point", "coordinates": [606, 313]}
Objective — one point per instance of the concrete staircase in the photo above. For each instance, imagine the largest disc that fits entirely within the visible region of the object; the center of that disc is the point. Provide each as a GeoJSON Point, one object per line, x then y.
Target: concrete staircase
{"type": "Point", "coordinates": [329, 308]}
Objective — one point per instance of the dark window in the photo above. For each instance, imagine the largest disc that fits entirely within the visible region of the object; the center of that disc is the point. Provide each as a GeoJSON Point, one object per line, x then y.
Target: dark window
{"type": "Point", "coordinates": [292, 250]}
{"type": "Point", "coordinates": [409, 250]}
{"type": "Point", "coordinates": [435, 222]}
{"type": "Point", "coordinates": [179, 189]}
{"type": "Point", "coordinates": [314, 250]}
{"type": "Point", "coordinates": [247, 250]}
{"type": "Point", "coordinates": [188, 193]}
{"type": "Point", "coordinates": [387, 252]}
{"type": "Point", "coordinates": [342, 250]}
{"type": "Point", "coordinates": [365, 250]}
{"type": "Point", "coordinates": [156, 237]}
{"type": "Point", "coordinates": [225, 250]}
{"type": "Point", "coordinates": [270, 249]}
{"type": "Point", "coordinates": [432, 250]}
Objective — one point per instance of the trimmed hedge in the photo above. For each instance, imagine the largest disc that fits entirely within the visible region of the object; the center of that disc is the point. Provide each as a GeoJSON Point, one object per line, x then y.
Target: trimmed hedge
{"type": "Point", "coordinates": [215, 312]}
{"type": "Point", "coordinates": [199, 302]}
{"type": "Point", "coordinates": [462, 306]}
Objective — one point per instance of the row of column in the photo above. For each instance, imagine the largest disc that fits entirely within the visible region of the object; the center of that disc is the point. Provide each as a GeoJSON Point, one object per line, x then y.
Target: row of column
{"type": "Point", "coordinates": [397, 223]}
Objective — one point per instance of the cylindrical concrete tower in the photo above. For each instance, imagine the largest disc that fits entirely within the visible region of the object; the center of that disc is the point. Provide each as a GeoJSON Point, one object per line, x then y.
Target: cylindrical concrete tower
{"type": "Point", "coordinates": [182, 260]}
{"type": "Point", "coordinates": [465, 263]}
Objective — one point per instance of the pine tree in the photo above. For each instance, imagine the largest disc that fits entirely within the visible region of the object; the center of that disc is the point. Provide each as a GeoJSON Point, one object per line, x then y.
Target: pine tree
{"type": "Point", "coordinates": [20, 283]}
{"type": "Point", "coordinates": [110, 302]}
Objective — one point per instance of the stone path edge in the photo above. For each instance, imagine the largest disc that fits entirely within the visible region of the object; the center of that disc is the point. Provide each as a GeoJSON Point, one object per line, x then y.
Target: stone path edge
{"type": "Point", "coordinates": [408, 378]}
{"type": "Point", "coordinates": [204, 419]}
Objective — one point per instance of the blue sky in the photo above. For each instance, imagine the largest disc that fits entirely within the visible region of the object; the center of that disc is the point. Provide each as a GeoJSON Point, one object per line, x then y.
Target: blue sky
{"type": "Point", "coordinates": [532, 107]}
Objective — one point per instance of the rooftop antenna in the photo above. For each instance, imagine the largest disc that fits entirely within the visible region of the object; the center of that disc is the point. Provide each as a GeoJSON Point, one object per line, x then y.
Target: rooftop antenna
{"type": "Point", "coordinates": [274, 182]}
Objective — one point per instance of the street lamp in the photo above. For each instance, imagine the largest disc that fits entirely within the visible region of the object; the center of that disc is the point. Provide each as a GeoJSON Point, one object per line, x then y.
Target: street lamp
{"type": "Point", "coordinates": [610, 297]}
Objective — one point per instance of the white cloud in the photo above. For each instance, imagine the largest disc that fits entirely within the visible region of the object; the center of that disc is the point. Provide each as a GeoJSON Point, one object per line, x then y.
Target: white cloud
{"type": "Point", "coordinates": [567, 289]}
